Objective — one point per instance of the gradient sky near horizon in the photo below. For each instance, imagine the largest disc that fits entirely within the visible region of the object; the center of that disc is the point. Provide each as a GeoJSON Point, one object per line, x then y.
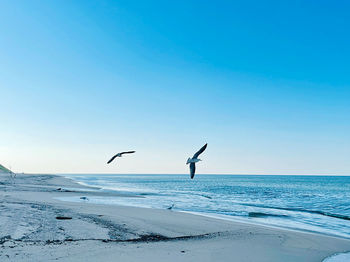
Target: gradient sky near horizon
{"type": "Point", "coordinates": [265, 83]}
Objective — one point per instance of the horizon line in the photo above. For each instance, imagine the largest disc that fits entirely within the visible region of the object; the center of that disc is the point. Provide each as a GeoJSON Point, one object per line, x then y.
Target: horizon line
{"type": "Point", "coordinates": [246, 174]}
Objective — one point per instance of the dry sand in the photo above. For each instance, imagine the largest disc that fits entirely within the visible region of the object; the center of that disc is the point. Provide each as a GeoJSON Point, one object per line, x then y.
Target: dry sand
{"type": "Point", "coordinates": [30, 230]}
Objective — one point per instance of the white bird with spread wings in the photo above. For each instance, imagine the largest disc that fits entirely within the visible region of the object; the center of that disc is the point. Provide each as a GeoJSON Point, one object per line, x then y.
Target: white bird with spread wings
{"type": "Point", "coordinates": [192, 161]}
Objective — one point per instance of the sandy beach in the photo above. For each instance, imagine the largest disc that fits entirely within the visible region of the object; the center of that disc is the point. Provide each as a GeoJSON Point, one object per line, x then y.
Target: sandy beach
{"type": "Point", "coordinates": [36, 226]}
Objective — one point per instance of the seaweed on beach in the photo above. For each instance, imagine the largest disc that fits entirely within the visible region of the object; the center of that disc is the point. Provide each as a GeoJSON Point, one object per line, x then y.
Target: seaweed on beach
{"type": "Point", "coordinates": [4, 239]}
{"type": "Point", "coordinates": [63, 218]}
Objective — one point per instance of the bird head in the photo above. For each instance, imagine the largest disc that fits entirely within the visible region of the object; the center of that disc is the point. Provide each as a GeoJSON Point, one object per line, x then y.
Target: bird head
{"type": "Point", "coordinates": [188, 161]}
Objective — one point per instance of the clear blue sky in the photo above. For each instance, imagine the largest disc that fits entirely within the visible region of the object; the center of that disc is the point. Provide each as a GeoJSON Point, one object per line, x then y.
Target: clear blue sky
{"type": "Point", "coordinates": [265, 83]}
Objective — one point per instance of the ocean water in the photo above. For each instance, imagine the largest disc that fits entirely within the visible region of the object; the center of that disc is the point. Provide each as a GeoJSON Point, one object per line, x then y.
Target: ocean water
{"type": "Point", "coordinates": [311, 203]}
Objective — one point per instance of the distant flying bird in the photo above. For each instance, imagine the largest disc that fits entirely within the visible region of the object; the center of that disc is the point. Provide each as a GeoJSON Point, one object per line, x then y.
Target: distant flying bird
{"type": "Point", "coordinates": [192, 161]}
{"type": "Point", "coordinates": [120, 155]}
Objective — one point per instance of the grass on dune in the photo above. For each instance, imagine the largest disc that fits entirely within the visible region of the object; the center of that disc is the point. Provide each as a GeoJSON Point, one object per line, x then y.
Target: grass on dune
{"type": "Point", "coordinates": [4, 169]}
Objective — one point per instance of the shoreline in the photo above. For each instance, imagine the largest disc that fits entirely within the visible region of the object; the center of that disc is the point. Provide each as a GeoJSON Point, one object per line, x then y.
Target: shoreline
{"type": "Point", "coordinates": [219, 216]}
{"type": "Point", "coordinates": [93, 232]}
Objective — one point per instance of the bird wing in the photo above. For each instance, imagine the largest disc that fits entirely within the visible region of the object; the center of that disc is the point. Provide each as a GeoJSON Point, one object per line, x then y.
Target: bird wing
{"type": "Point", "coordinates": [192, 169]}
{"type": "Point", "coordinates": [112, 158]}
{"type": "Point", "coordinates": [196, 155]}
{"type": "Point", "coordinates": [127, 152]}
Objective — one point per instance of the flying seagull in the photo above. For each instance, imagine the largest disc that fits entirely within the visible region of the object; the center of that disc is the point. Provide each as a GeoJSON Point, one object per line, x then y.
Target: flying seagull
{"type": "Point", "coordinates": [192, 161]}
{"type": "Point", "coordinates": [120, 155]}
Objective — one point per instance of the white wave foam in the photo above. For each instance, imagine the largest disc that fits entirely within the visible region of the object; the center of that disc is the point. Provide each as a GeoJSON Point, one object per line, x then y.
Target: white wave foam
{"type": "Point", "coordinates": [341, 257]}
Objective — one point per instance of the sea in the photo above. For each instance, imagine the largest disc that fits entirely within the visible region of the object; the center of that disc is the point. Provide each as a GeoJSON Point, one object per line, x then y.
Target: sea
{"type": "Point", "coordinates": [308, 203]}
